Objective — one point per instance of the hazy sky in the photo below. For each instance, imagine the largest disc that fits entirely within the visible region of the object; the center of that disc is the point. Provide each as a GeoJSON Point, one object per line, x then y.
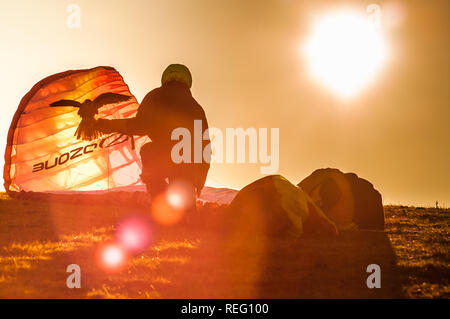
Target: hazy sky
{"type": "Point", "coordinates": [248, 71]}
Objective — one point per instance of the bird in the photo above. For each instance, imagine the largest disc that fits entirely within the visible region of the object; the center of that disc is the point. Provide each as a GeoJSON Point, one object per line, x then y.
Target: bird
{"type": "Point", "coordinates": [87, 110]}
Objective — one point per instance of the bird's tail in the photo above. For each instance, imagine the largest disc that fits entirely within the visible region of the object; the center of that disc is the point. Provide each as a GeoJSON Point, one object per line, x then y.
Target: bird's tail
{"type": "Point", "coordinates": [87, 130]}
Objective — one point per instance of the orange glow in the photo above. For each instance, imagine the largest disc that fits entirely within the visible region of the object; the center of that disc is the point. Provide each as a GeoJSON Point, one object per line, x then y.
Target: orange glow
{"type": "Point", "coordinates": [175, 200]}
{"type": "Point", "coordinates": [164, 213]}
{"type": "Point", "coordinates": [180, 195]}
{"type": "Point", "coordinates": [111, 258]}
{"type": "Point", "coordinates": [247, 72]}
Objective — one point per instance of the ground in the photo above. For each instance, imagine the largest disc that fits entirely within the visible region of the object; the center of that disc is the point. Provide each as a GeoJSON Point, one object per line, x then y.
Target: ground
{"type": "Point", "coordinates": [207, 258]}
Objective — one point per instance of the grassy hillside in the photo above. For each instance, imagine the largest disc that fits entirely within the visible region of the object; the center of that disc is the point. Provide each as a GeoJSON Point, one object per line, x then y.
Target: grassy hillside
{"type": "Point", "coordinates": [211, 259]}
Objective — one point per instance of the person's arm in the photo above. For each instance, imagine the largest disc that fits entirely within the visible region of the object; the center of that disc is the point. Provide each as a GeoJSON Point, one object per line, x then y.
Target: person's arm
{"type": "Point", "coordinates": [132, 126]}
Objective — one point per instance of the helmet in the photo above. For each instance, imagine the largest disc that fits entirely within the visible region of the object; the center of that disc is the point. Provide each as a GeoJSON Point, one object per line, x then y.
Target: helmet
{"type": "Point", "coordinates": [177, 72]}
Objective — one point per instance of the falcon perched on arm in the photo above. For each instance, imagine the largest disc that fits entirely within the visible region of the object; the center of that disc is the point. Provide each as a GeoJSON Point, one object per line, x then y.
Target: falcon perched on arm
{"type": "Point", "coordinates": [87, 111]}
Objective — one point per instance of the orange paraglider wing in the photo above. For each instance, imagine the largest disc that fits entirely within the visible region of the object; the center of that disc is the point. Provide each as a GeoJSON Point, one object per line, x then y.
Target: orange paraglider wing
{"type": "Point", "coordinates": [42, 153]}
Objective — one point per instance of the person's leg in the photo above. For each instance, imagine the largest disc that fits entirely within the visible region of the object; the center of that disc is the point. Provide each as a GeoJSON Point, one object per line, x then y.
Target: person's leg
{"type": "Point", "coordinates": [183, 174]}
{"type": "Point", "coordinates": [155, 186]}
{"type": "Point", "coordinates": [154, 172]}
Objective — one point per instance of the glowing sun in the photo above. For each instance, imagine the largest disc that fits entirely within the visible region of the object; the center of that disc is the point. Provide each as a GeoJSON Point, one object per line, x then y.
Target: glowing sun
{"type": "Point", "coordinates": [344, 51]}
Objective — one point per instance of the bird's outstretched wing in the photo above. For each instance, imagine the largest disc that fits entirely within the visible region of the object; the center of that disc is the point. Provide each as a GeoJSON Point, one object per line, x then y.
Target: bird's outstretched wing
{"type": "Point", "coordinates": [66, 103]}
{"type": "Point", "coordinates": [110, 98]}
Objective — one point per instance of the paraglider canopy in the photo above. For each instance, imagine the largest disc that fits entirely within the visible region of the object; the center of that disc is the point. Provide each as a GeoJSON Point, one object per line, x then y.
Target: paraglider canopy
{"type": "Point", "coordinates": [44, 155]}
{"type": "Point", "coordinates": [348, 200]}
{"type": "Point", "coordinates": [273, 205]}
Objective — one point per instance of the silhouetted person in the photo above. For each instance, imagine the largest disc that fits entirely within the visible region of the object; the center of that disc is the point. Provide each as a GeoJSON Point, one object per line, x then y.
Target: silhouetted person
{"type": "Point", "coordinates": [164, 109]}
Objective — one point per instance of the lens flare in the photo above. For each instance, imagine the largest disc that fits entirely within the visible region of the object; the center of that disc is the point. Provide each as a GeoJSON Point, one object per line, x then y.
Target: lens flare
{"type": "Point", "coordinates": [134, 234]}
{"type": "Point", "coordinates": [169, 208]}
{"type": "Point", "coordinates": [180, 195]}
{"type": "Point", "coordinates": [111, 257]}
{"type": "Point", "coordinates": [164, 213]}
{"type": "Point", "coordinates": [175, 200]}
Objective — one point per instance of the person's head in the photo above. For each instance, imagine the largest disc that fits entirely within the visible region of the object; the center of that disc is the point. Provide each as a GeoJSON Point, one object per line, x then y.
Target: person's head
{"type": "Point", "coordinates": [177, 72]}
